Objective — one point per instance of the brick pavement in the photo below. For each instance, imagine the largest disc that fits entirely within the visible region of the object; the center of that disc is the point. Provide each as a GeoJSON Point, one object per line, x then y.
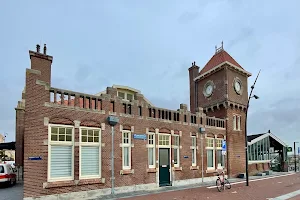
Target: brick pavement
{"type": "Point", "coordinates": [263, 189]}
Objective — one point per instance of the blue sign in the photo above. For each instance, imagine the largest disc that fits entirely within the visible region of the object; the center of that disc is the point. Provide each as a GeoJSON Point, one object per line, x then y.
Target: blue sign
{"type": "Point", "coordinates": [140, 136]}
{"type": "Point", "coordinates": [35, 158]}
{"type": "Point", "coordinates": [223, 145]}
{"type": "Point", "coordinates": [298, 150]}
{"type": "Point", "coordinates": [185, 156]}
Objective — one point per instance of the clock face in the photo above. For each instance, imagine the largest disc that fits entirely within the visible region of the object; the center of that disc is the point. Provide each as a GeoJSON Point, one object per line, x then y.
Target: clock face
{"type": "Point", "coordinates": [209, 90]}
{"type": "Point", "coordinates": [237, 86]}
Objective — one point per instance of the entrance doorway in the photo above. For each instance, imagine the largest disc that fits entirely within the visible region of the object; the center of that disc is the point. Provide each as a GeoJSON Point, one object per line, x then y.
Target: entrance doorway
{"type": "Point", "coordinates": [164, 167]}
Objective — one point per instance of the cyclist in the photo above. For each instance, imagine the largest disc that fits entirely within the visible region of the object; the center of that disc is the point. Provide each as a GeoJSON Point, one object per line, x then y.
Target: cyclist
{"type": "Point", "coordinates": [220, 171]}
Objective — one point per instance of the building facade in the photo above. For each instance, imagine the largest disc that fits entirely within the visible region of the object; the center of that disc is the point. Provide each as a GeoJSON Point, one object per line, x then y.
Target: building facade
{"type": "Point", "coordinates": [65, 143]}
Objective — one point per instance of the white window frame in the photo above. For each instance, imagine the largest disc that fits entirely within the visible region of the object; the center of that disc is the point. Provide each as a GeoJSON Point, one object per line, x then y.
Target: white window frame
{"type": "Point", "coordinates": [238, 122]}
{"type": "Point", "coordinates": [234, 122]}
{"type": "Point", "coordinates": [177, 147]}
{"type": "Point", "coordinates": [59, 143]}
{"type": "Point", "coordinates": [168, 140]}
{"type": "Point", "coordinates": [219, 149]}
{"type": "Point", "coordinates": [214, 153]}
{"type": "Point", "coordinates": [125, 95]}
{"type": "Point", "coordinates": [129, 150]}
{"type": "Point", "coordinates": [89, 144]}
{"type": "Point", "coordinates": [194, 150]}
{"type": "Point", "coordinates": [151, 146]}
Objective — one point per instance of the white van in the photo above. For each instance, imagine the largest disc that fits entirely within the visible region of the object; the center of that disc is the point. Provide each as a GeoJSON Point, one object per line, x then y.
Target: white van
{"type": "Point", "coordinates": [7, 174]}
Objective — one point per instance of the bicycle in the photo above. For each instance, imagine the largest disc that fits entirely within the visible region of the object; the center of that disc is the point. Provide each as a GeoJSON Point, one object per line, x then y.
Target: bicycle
{"type": "Point", "coordinates": [222, 183]}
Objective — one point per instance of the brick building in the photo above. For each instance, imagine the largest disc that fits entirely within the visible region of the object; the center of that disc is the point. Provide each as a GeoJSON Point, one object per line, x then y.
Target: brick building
{"type": "Point", "coordinates": [68, 134]}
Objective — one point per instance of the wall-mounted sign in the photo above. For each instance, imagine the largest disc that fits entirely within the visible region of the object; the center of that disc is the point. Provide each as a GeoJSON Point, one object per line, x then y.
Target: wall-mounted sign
{"type": "Point", "coordinates": [35, 158]}
{"type": "Point", "coordinates": [140, 136]}
{"type": "Point", "coordinates": [185, 156]}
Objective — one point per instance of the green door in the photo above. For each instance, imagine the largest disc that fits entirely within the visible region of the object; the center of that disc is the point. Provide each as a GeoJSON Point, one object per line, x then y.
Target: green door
{"type": "Point", "coordinates": [164, 167]}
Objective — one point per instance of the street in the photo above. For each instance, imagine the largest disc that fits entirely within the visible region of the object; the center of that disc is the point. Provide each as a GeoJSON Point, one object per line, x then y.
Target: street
{"type": "Point", "coordinates": [257, 190]}
{"type": "Point", "coordinates": [11, 193]}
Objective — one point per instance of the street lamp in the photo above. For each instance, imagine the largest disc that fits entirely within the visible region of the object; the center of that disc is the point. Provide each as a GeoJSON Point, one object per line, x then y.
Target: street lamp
{"type": "Point", "coordinates": [112, 120]}
{"type": "Point", "coordinates": [246, 141]}
{"type": "Point", "coordinates": [202, 131]}
{"type": "Point", "coordinates": [295, 156]}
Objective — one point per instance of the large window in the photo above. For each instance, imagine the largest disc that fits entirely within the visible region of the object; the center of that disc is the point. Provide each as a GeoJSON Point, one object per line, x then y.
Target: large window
{"type": "Point", "coordinates": [210, 153]}
{"type": "Point", "coordinates": [176, 148]}
{"type": "Point", "coordinates": [194, 151]}
{"type": "Point", "coordinates": [220, 157]}
{"type": "Point", "coordinates": [260, 150]}
{"type": "Point", "coordinates": [90, 153]}
{"type": "Point", "coordinates": [60, 153]}
{"type": "Point", "coordinates": [126, 150]}
{"type": "Point", "coordinates": [151, 150]}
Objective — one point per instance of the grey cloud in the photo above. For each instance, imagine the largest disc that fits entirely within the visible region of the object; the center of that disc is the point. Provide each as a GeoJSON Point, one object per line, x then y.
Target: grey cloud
{"type": "Point", "coordinates": [244, 34]}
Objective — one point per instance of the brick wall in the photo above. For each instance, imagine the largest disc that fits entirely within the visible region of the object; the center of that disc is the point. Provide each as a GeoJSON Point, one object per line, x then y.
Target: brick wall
{"type": "Point", "coordinates": [20, 116]}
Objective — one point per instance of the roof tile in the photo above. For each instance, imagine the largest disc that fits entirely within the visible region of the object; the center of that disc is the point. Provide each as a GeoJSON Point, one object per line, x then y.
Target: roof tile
{"type": "Point", "coordinates": [217, 59]}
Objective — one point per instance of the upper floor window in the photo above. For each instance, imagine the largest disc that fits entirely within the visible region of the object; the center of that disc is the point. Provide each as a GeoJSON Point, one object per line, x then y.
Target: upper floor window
{"type": "Point", "coordinates": [126, 96]}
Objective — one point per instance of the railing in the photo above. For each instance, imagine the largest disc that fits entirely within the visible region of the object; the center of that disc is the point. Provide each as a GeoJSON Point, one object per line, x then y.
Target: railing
{"type": "Point", "coordinates": [70, 98]}
{"type": "Point", "coordinates": [212, 121]}
{"type": "Point", "coordinates": [92, 102]}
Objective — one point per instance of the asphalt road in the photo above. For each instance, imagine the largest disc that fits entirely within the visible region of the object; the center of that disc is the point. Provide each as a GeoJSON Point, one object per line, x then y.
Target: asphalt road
{"type": "Point", "coordinates": [11, 193]}
{"type": "Point", "coordinates": [257, 190]}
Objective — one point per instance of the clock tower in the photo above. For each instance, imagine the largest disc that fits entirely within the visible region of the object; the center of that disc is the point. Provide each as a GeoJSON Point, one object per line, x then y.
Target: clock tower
{"type": "Point", "coordinates": [220, 88]}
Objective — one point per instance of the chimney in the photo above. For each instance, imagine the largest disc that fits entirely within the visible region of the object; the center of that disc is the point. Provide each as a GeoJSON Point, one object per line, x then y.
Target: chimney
{"type": "Point", "coordinates": [38, 48]}
{"type": "Point", "coordinates": [193, 73]}
{"type": "Point", "coordinates": [45, 49]}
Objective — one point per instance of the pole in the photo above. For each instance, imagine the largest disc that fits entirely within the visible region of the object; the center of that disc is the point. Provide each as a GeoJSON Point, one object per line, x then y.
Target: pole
{"type": "Point", "coordinates": [112, 162]}
{"type": "Point", "coordinates": [246, 141]}
{"type": "Point", "coordinates": [202, 156]}
{"type": "Point", "coordinates": [295, 157]}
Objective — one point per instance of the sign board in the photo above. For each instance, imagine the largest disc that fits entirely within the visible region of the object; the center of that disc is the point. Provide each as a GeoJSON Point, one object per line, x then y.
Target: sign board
{"type": "Point", "coordinates": [140, 136]}
{"type": "Point", "coordinates": [185, 156]}
{"type": "Point", "coordinates": [223, 153]}
{"type": "Point", "coordinates": [34, 158]}
{"type": "Point", "coordinates": [289, 149]}
{"type": "Point", "coordinates": [298, 150]}
{"type": "Point", "coordinates": [223, 145]}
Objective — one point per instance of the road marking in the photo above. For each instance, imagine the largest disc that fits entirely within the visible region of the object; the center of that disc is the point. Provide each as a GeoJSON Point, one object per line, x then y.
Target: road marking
{"type": "Point", "coordinates": [287, 196]}
{"type": "Point", "coordinates": [259, 179]}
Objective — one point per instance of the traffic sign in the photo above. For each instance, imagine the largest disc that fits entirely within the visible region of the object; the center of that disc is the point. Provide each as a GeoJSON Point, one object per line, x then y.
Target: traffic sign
{"type": "Point", "coordinates": [289, 149]}
{"type": "Point", "coordinates": [223, 145]}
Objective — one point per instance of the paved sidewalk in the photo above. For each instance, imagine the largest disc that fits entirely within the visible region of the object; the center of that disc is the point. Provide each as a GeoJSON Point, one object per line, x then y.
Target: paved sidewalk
{"type": "Point", "coordinates": [179, 188]}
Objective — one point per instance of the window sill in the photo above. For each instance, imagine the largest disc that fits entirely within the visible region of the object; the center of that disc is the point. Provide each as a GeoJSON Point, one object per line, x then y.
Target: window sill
{"type": "Point", "coordinates": [126, 171]}
{"type": "Point", "coordinates": [56, 184]}
{"type": "Point", "coordinates": [194, 167]}
{"type": "Point", "coordinates": [177, 168]}
{"type": "Point", "coordinates": [112, 113]}
{"type": "Point", "coordinates": [91, 181]}
{"type": "Point", "coordinates": [151, 170]}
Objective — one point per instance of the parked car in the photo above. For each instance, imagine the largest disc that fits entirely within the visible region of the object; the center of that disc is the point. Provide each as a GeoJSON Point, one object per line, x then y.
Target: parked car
{"type": "Point", "coordinates": [7, 174]}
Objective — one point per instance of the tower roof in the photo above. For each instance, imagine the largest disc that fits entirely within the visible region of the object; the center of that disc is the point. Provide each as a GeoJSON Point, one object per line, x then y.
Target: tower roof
{"type": "Point", "coordinates": [218, 60]}
{"type": "Point", "coordinates": [219, 57]}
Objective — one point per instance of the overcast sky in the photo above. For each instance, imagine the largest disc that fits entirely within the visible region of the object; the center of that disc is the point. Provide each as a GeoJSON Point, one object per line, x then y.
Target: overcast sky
{"type": "Point", "coordinates": [149, 45]}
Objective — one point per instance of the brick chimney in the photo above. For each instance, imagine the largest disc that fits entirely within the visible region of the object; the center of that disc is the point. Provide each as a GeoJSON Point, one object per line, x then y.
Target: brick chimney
{"type": "Point", "coordinates": [193, 73]}
{"type": "Point", "coordinates": [42, 63]}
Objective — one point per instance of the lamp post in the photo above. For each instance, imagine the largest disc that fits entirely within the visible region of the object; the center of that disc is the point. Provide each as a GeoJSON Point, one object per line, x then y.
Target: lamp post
{"type": "Point", "coordinates": [112, 120]}
{"type": "Point", "coordinates": [246, 141]}
{"type": "Point", "coordinates": [295, 156]}
{"type": "Point", "coordinates": [202, 131]}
